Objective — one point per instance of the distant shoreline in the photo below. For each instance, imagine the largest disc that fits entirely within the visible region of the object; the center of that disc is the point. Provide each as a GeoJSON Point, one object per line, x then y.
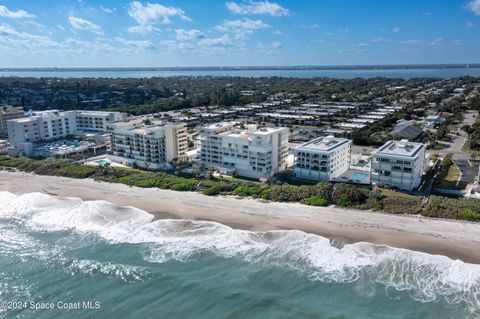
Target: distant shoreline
{"type": "Point", "coordinates": [252, 68]}
{"type": "Point", "coordinates": [455, 239]}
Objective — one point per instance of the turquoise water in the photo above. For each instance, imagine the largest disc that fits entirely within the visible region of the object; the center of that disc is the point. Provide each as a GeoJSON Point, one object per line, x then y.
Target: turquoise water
{"type": "Point", "coordinates": [358, 176]}
{"type": "Point", "coordinates": [103, 162]}
{"type": "Point", "coordinates": [59, 251]}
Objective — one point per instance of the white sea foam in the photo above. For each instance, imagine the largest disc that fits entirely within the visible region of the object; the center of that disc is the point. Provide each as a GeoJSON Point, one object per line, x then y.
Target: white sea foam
{"type": "Point", "coordinates": [426, 277]}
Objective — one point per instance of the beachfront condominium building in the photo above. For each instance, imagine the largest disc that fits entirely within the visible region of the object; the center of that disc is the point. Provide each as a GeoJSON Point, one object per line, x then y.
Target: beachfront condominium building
{"type": "Point", "coordinates": [322, 159]}
{"type": "Point", "coordinates": [399, 164]}
{"type": "Point", "coordinates": [9, 113]}
{"type": "Point", "coordinates": [248, 151]}
{"type": "Point", "coordinates": [152, 146]}
{"type": "Point", "coordinates": [23, 133]}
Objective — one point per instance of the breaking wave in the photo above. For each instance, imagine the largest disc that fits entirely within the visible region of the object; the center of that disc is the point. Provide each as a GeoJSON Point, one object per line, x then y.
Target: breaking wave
{"type": "Point", "coordinates": [426, 278]}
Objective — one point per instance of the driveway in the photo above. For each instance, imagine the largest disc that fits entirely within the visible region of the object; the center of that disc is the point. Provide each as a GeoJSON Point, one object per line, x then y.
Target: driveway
{"type": "Point", "coordinates": [468, 172]}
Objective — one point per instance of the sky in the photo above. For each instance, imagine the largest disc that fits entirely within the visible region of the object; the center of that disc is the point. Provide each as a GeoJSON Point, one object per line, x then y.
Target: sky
{"type": "Point", "coordinates": [167, 33]}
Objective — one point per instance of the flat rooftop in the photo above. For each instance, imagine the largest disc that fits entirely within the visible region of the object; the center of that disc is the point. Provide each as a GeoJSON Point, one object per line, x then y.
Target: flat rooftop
{"type": "Point", "coordinates": [399, 148]}
{"type": "Point", "coordinates": [245, 133]}
{"type": "Point", "coordinates": [24, 119]}
{"type": "Point", "coordinates": [219, 125]}
{"type": "Point", "coordinates": [325, 143]}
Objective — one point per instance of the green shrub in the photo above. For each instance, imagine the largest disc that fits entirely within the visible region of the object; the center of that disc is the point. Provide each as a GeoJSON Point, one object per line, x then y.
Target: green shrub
{"type": "Point", "coordinates": [185, 187]}
{"type": "Point", "coordinates": [344, 201]}
{"type": "Point", "coordinates": [402, 205]}
{"type": "Point", "coordinates": [373, 203]}
{"type": "Point", "coordinates": [347, 195]}
{"type": "Point", "coordinates": [315, 201]}
{"type": "Point", "coordinates": [77, 171]}
{"type": "Point", "coordinates": [469, 215]}
{"type": "Point", "coordinates": [252, 190]}
{"type": "Point", "coordinates": [218, 188]}
{"type": "Point", "coordinates": [444, 207]}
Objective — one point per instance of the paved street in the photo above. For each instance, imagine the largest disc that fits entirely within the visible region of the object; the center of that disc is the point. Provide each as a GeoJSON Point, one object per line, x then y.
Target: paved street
{"type": "Point", "coordinates": [455, 147]}
{"type": "Point", "coordinates": [460, 158]}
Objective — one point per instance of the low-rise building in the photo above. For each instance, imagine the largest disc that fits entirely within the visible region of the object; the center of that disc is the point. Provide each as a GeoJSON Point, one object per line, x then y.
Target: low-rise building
{"type": "Point", "coordinates": [23, 133]}
{"type": "Point", "coordinates": [152, 146]}
{"type": "Point", "coordinates": [323, 158]}
{"type": "Point", "coordinates": [9, 113]}
{"type": "Point", "coordinates": [399, 164]}
{"type": "Point", "coordinates": [250, 152]}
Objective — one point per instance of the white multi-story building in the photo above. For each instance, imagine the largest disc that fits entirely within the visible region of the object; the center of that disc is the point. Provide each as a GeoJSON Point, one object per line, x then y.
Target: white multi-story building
{"type": "Point", "coordinates": [9, 113]}
{"type": "Point", "coordinates": [322, 159]}
{"type": "Point", "coordinates": [399, 164]}
{"type": "Point", "coordinates": [151, 146]}
{"type": "Point", "coordinates": [23, 133]}
{"type": "Point", "coordinates": [250, 152]}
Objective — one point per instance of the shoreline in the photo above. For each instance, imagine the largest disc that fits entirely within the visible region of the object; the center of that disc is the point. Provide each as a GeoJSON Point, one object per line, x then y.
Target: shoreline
{"type": "Point", "coordinates": [455, 239]}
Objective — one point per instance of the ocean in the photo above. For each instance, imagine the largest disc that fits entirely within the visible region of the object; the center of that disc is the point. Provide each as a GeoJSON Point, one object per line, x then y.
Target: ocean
{"type": "Point", "coordinates": [330, 73]}
{"type": "Point", "coordinates": [68, 258]}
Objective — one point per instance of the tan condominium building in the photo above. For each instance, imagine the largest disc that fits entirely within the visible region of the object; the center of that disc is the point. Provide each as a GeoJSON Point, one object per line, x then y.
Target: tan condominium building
{"type": "Point", "coordinates": [246, 151]}
{"type": "Point", "coordinates": [9, 113]}
{"type": "Point", "coordinates": [153, 146]}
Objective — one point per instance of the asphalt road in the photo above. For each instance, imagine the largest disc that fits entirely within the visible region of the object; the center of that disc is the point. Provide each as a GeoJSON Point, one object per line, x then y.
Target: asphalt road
{"type": "Point", "coordinates": [468, 173]}
{"type": "Point", "coordinates": [455, 147]}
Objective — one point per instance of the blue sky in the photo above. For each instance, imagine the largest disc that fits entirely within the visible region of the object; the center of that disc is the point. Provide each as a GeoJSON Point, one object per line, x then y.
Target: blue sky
{"type": "Point", "coordinates": [96, 33]}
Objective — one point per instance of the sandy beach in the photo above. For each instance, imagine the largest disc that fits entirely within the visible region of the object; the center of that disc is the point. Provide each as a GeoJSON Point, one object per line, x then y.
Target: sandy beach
{"type": "Point", "coordinates": [458, 240]}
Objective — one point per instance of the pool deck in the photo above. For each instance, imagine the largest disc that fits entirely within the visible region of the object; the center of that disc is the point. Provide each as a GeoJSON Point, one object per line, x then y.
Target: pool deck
{"type": "Point", "coordinates": [94, 161]}
{"type": "Point", "coordinates": [351, 176]}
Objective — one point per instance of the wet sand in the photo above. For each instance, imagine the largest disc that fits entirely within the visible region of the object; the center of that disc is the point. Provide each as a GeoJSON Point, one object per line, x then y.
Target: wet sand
{"type": "Point", "coordinates": [455, 239]}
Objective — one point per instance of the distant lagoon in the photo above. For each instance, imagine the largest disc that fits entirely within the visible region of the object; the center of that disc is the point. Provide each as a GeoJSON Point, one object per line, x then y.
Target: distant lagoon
{"type": "Point", "coordinates": [341, 73]}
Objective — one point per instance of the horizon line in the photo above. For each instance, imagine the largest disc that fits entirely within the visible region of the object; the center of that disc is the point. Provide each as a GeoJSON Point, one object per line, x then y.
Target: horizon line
{"type": "Point", "coordinates": [252, 67]}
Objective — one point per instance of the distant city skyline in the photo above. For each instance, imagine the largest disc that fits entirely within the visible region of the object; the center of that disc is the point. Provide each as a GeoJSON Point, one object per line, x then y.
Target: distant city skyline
{"type": "Point", "coordinates": [93, 33]}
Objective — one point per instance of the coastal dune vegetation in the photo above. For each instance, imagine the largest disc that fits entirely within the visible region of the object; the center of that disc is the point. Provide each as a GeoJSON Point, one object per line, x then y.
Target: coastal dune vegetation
{"type": "Point", "coordinates": [320, 194]}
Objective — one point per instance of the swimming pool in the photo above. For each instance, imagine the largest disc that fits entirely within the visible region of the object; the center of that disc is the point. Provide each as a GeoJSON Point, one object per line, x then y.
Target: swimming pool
{"type": "Point", "coordinates": [359, 176]}
{"type": "Point", "coordinates": [103, 162]}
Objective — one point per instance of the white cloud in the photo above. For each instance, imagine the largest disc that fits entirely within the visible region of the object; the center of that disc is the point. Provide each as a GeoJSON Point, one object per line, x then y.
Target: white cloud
{"type": "Point", "coordinates": [153, 13]}
{"type": "Point", "coordinates": [261, 7]}
{"type": "Point", "coordinates": [380, 40]}
{"type": "Point", "coordinates": [310, 26]}
{"type": "Point", "coordinates": [473, 6]}
{"type": "Point", "coordinates": [183, 35]}
{"type": "Point", "coordinates": [61, 27]}
{"type": "Point", "coordinates": [108, 10]}
{"type": "Point", "coordinates": [276, 45]}
{"type": "Point", "coordinates": [84, 25]}
{"type": "Point", "coordinates": [242, 28]}
{"type": "Point", "coordinates": [6, 13]}
{"type": "Point", "coordinates": [246, 24]}
{"type": "Point", "coordinates": [360, 45]}
{"type": "Point", "coordinates": [223, 41]}
{"type": "Point", "coordinates": [178, 46]}
{"type": "Point", "coordinates": [470, 25]}
{"type": "Point", "coordinates": [23, 40]}
{"type": "Point", "coordinates": [143, 29]}
{"type": "Point", "coordinates": [142, 44]}
{"type": "Point", "coordinates": [396, 30]}
{"type": "Point", "coordinates": [437, 41]}
{"type": "Point", "coordinates": [411, 42]}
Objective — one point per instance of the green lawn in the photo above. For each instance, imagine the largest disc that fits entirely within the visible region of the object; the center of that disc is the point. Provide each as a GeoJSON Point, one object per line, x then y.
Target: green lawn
{"type": "Point", "coordinates": [450, 181]}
